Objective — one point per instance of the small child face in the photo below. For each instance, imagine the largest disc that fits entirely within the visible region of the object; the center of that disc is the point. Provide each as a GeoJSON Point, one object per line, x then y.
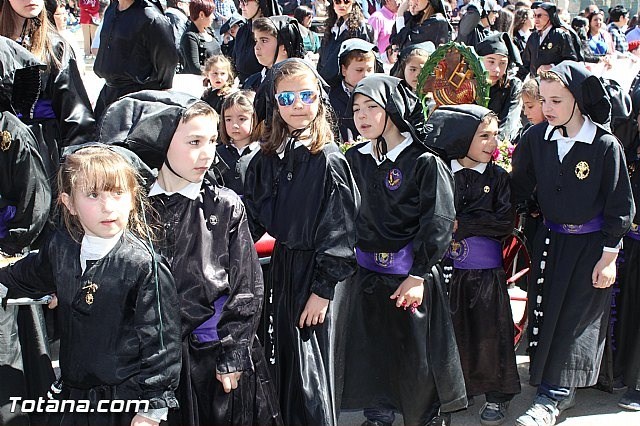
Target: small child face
{"type": "Point", "coordinates": [412, 70]}
{"type": "Point", "coordinates": [357, 70]}
{"type": "Point", "coordinates": [557, 102]}
{"type": "Point", "coordinates": [496, 65]}
{"type": "Point", "coordinates": [532, 109]}
{"type": "Point", "coordinates": [101, 213]}
{"type": "Point", "coordinates": [193, 148]}
{"type": "Point", "coordinates": [218, 76]}
{"type": "Point", "coordinates": [238, 123]}
{"type": "Point", "coordinates": [265, 48]}
{"type": "Point", "coordinates": [299, 114]}
{"type": "Point", "coordinates": [368, 116]}
{"type": "Point", "coordinates": [485, 141]}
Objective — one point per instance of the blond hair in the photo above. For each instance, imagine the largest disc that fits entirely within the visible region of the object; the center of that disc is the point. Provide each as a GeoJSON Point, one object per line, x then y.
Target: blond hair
{"type": "Point", "coordinates": [220, 60]}
{"type": "Point", "coordinates": [98, 168]}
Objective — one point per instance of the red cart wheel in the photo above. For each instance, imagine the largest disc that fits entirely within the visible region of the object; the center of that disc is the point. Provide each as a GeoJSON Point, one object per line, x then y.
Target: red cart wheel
{"type": "Point", "coordinates": [517, 264]}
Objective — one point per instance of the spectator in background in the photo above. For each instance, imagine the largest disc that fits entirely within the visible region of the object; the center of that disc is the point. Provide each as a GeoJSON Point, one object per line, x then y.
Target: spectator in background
{"type": "Point", "coordinates": [89, 20]}
{"type": "Point", "coordinates": [224, 10]}
{"type": "Point", "coordinates": [57, 14]}
{"type": "Point", "coordinates": [522, 26]}
{"type": "Point", "coordinates": [304, 16]}
{"type": "Point", "coordinates": [476, 24]}
{"type": "Point", "coordinates": [592, 8]}
{"type": "Point", "coordinates": [382, 23]}
{"type": "Point", "coordinates": [619, 17]}
{"type": "Point", "coordinates": [600, 41]}
{"type": "Point", "coordinates": [633, 32]}
{"type": "Point", "coordinates": [178, 11]}
{"type": "Point", "coordinates": [198, 42]}
{"type": "Point", "coordinates": [504, 22]}
{"type": "Point", "coordinates": [564, 15]}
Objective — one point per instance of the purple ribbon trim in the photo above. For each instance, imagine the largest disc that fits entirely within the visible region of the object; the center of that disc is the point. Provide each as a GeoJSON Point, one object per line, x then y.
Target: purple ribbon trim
{"type": "Point", "coordinates": [398, 263]}
{"type": "Point", "coordinates": [208, 330]}
{"type": "Point", "coordinates": [476, 253]}
{"type": "Point", "coordinates": [7, 213]}
{"type": "Point", "coordinates": [43, 109]}
{"type": "Point", "coordinates": [594, 225]}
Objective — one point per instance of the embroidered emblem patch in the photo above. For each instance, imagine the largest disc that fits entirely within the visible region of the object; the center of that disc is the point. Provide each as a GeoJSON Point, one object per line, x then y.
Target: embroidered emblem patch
{"type": "Point", "coordinates": [582, 170]}
{"type": "Point", "coordinates": [486, 189]}
{"type": "Point", "coordinates": [5, 141]}
{"type": "Point", "coordinates": [458, 250]}
{"type": "Point", "coordinates": [550, 45]}
{"type": "Point", "coordinates": [634, 227]}
{"type": "Point", "coordinates": [394, 179]}
{"type": "Point", "coordinates": [213, 220]}
{"type": "Point", "coordinates": [571, 229]}
{"type": "Point", "coordinates": [91, 289]}
{"type": "Point", "coordinates": [384, 260]}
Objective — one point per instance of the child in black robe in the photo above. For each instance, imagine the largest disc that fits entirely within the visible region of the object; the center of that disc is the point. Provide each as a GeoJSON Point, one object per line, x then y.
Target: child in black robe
{"type": "Point", "coordinates": [121, 334]}
{"type": "Point", "coordinates": [300, 190]}
{"type": "Point", "coordinates": [415, 25]}
{"type": "Point", "coordinates": [239, 134]}
{"type": "Point", "coordinates": [219, 79]}
{"type": "Point", "coordinates": [400, 347]}
{"type": "Point", "coordinates": [480, 305]}
{"type": "Point", "coordinates": [207, 243]}
{"type": "Point", "coordinates": [578, 172]}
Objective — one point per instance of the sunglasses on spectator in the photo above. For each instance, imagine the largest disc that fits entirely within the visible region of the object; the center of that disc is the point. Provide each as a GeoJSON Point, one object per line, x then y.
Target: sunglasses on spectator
{"type": "Point", "coordinates": [246, 2]}
{"type": "Point", "coordinates": [341, 1]}
{"type": "Point", "coordinates": [286, 99]}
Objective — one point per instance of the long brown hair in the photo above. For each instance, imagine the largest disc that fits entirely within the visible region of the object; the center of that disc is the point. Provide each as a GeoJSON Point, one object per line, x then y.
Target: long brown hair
{"type": "Point", "coordinates": [243, 100]}
{"type": "Point", "coordinates": [354, 19]}
{"type": "Point", "coordinates": [38, 30]}
{"type": "Point", "coordinates": [321, 128]}
{"type": "Point", "coordinates": [98, 168]}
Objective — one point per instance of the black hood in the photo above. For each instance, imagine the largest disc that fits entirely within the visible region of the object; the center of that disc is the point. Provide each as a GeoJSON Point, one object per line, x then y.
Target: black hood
{"type": "Point", "coordinates": [270, 7]}
{"type": "Point", "coordinates": [19, 78]}
{"type": "Point", "coordinates": [552, 10]}
{"type": "Point", "coordinates": [333, 69]}
{"type": "Point", "coordinates": [288, 35]}
{"type": "Point", "coordinates": [450, 129]}
{"type": "Point", "coordinates": [586, 88]}
{"type": "Point", "coordinates": [396, 97]}
{"type": "Point", "coordinates": [234, 20]}
{"type": "Point", "coordinates": [499, 44]}
{"type": "Point", "coordinates": [427, 46]}
{"type": "Point", "coordinates": [144, 122]}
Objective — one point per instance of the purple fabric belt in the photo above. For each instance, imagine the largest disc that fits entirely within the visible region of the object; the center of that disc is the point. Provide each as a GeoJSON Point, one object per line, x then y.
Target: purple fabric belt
{"type": "Point", "coordinates": [398, 263]}
{"type": "Point", "coordinates": [476, 253]}
{"type": "Point", "coordinates": [43, 109]}
{"type": "Point", "coordinates": [208, 330]}
{"type": "Point", "coordinates": [634, 232]}
{"type": "Point", "coordinates": [6, 214]}
{"type": "Point", "coordinates": [594, 225]}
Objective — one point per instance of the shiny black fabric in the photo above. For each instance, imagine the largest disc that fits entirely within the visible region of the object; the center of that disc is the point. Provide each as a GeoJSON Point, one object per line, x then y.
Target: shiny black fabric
{"type": "Point", "coordinates": [340, 102]}
{"type": "Point", "coordinates": [505, 102]}
{"type": "Point", "coordinates": [138, 355]}
{"type": "Point", "coordinates": [214, 99]}
{"type": "Point", "coordinates": [435, 29]}
{"type": "Point", "coordinates": [195, 49]}
{"type": "Point", "coordinates": [24, 184]}
{"type": "Point", "coordinates": [385, 345]}
{"type": "Point", "coordinates": [243, 55]}
{"type": "Point", "coordinates": [572, 336]}
{"type": "Point", "coordinates": [233, 177]}
{"type": "Point", "coordinates": [470, 30]}
{"type": "Point", "coordinates": [556, 47]}
{"type": "Point", "coordinates": [137, 52]}
{"type": "Point", "coordinates": [210, 252]}
{"type": "Point", "coordinates": [19, 78]}
{"type": "Point", "coordinates": [310, 210]}
{"type": "Point", "coordinates": [480, 305]}
{"type": "Point", "coordinates": [330, 49]}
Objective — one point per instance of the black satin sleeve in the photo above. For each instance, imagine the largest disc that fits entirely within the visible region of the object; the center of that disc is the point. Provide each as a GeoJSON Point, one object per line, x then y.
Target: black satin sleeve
{"type": "Point", "coordinates": [241, 313]}
{"type": "Point", "coordinates": [256, 180]}
{"type": "Point", "coordinates": [505, 102]}
{"type": "Point", "coordinates": [489, 213]}
{"type": "Point", "coordinates": [335, 235]}
{"type": "Point", "coordinates": [523, 178]}
{"type": "Point", "coordinates": [24, 185]}
{"type": "Point", "coordinates": [619, 207]}
{"type": "Point", "coordinates": [159, 42]}
{"type": "Point", "coordinates": [437, 213]}
{"type": "Point", "coordinates": [31, 276]}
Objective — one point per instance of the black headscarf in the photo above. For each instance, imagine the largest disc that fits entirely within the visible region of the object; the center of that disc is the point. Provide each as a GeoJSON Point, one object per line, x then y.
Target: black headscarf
{"type": "Point", "coordinates": [19, 78]}
{"type": "Point", "coordinates": [552, 10]}
{"type": "Point", "coordinates": [399, 102]}
{"type": "Point", "coordinates": [144, 122]}
{"type": "Point", "coordinates": [427, 46]}
{"type": "Point", "coordinates": [333, 68]}
{"type": "Point", "coordinates": [587, 89]}
{"type": "Point", "coordinates": [234, 20]}
{"type": "Point", "coordinates": [288, 35]}
{"type": "Point", "coordinates": [499, 44]}
{"type": "Point", "coordinates": [450, 129]}
{"type": "Point", "coordinates": [270, 7]}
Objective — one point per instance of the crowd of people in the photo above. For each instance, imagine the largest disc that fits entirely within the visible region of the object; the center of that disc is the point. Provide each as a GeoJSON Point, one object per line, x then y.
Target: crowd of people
{"type": "Point", "coordinates": [386, 290]}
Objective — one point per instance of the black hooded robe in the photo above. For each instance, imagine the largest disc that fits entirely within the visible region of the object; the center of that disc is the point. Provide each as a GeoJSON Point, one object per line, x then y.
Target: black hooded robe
{"type": "Point", "coordinates": [504, 100]}
{"type": "Point", "coordinates": [307, 202]}
{"type": "Point", "coordinates": [233, 176]}
{"type": "Point", "coordinates": [330, 48]}
{"type": "Point", "coordinates": [574, 325]}
{"type": "Point", "coordinates": [556, 47]}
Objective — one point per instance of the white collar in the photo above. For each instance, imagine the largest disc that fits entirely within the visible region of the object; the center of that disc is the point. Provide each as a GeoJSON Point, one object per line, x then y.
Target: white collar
{"type": "Point", "coordinates": [545, 32]}
{"type": "Point", "coordinates": [346, 88]}
{"type": "Point", "coordinates": [304, 142]}
{"type": "Point", "coordinates": [524, 34]}
{"type": "Point", "coordinates": [263, 74]}
{"type": "Point", "coordinates": [337, 31]}
{"type": "Point", "coordinates": [191, 191]}
{"type": "Point", "coordinates": [391, 155]}
{"type": "Point", "coordinates": [456, 167]}
{"type": "Point", "coordinates": [251, 147]}
{"type": "Point", "coordinates": [95, 248]}
{"type": "Point", "coordinates": [586, 134]}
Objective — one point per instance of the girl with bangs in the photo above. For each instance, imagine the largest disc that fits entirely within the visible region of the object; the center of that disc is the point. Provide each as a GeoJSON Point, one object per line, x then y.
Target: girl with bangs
{"type": "Point", "coordinates": [300, 190]}
{"type": "Point", "coordinates": [104, 273]}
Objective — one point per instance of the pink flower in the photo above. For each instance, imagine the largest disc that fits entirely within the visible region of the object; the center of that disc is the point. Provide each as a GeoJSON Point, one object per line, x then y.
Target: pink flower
{"type": "Point", "coordinates": [497, 155]}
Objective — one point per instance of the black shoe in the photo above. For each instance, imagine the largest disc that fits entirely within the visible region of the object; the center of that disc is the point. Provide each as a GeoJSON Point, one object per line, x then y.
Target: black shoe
{"type": "Point", "coordinates": [568, 402]}
{"type": "Point", "coordinates": [494, 413]}
{"type": "Point", "coordinates": [442, 419]}
{"type": "Point", "coordinates": [630, 400]}
{"type": "Point", "coordinates": [375, 423]}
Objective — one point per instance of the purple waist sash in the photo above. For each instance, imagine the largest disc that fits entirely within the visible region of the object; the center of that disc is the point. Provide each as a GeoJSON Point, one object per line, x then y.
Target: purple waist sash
{"type": "Point", "coordinates": [398, 263]}
{"type": "Point", "coordinates": [208, 330]}
{"type": "Point", "coordinates": [43, 109]}
{"type": "Point", "coordinates": [594, 225]}
{"type": "Point", "coordinates": [476, 253]}
{"type": "Point", "coordinates": [634, 232]}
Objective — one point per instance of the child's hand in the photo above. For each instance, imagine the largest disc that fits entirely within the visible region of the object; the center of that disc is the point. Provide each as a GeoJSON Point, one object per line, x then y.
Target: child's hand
{"type": "Point", "coordinates": [54, 302]}
{"type": "Point", "coordinates": [604, 273]}
{"type": "Point", "coordinates": [229, 381]}
{"type": "Point", "coordinates": [409, 292]}
{"type": "Point", "coordinates": [455, 226]}
{"type": "Point", "coordinates": [314, 311]}
{"type": "Point", "coordinates": [139, 420]}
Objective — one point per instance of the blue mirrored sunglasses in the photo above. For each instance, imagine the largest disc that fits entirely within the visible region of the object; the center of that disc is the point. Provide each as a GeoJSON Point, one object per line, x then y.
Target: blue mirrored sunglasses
{"type": "Point", "coordinates": [288, 98]}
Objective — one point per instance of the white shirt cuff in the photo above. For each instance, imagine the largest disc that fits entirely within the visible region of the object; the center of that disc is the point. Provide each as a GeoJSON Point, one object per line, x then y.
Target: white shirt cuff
{"type": "Point", "coordinates": [611, 249]}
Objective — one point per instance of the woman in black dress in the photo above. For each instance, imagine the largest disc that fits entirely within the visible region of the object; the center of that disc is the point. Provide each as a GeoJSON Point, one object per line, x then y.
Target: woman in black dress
{"type": "Point", "coordinates": [198, 42]}
{"type": "Point", "coordinates": [419, 21]}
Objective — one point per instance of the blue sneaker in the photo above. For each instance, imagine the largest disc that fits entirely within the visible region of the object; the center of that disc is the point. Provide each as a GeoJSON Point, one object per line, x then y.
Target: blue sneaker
{"type": "Point", "coordinates": [630, 400]}
{"type": "Point", "coordinates": [494, 413]}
